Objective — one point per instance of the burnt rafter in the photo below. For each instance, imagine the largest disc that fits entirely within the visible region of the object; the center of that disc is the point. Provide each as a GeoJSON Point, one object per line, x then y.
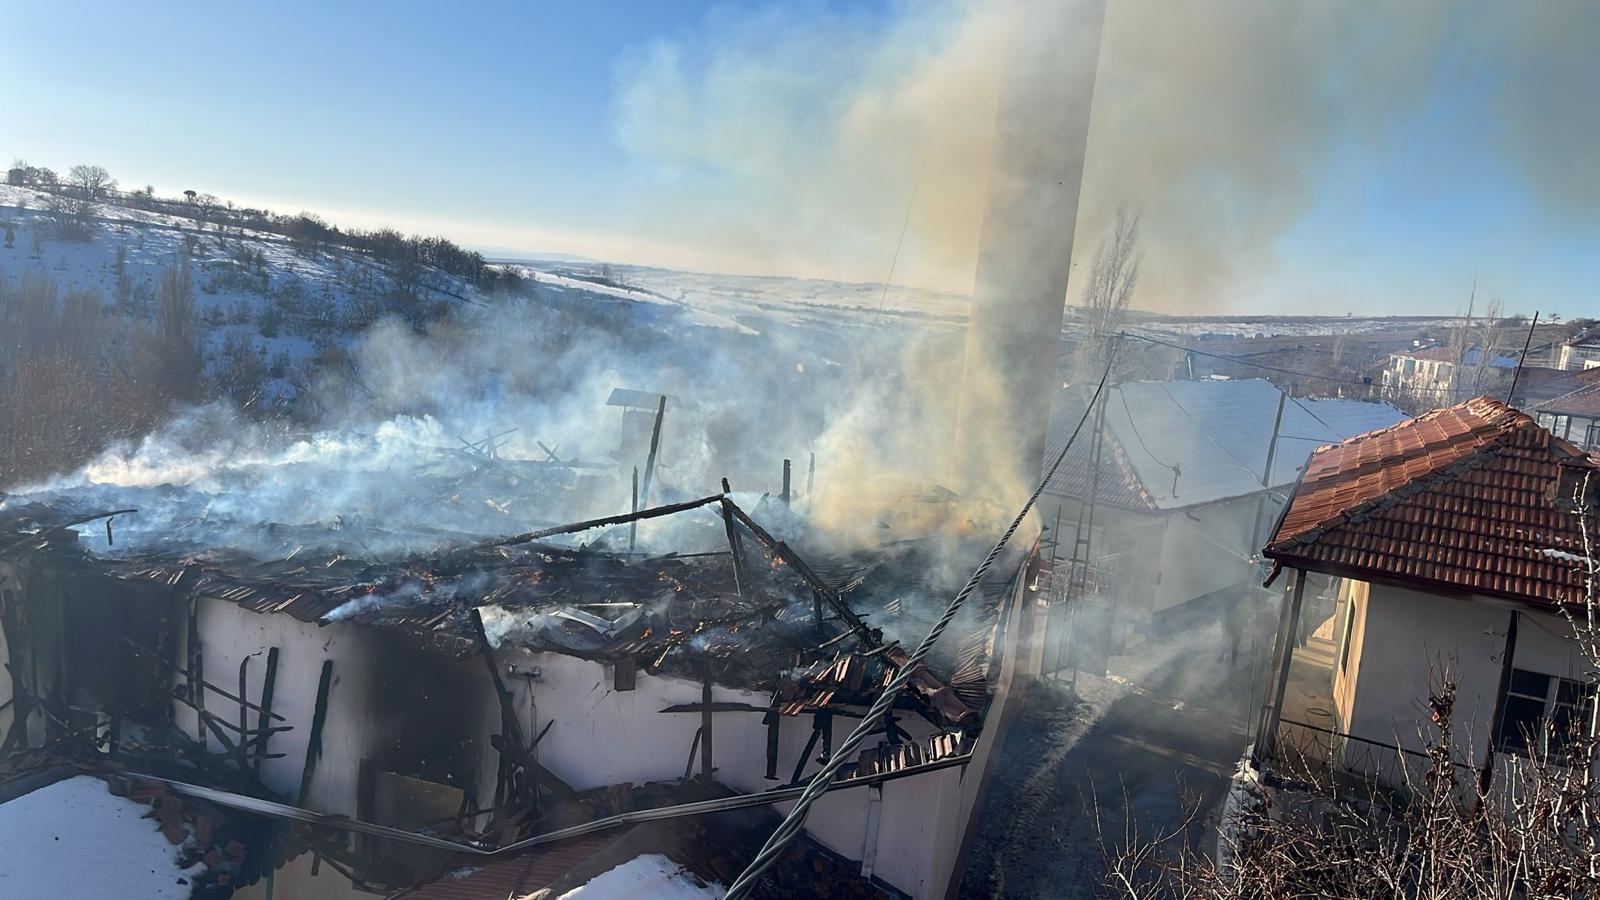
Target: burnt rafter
{"type": "Point", "coordinates": [869, 636]}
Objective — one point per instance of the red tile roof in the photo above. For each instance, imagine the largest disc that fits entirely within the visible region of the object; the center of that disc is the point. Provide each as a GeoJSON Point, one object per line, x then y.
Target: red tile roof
{"type": "Point", "coordinates": [1463, 499]}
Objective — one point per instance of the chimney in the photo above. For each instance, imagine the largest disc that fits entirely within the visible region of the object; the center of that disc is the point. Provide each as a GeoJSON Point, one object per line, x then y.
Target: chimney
{"type": "Point", "coordinates": [1009, 376]}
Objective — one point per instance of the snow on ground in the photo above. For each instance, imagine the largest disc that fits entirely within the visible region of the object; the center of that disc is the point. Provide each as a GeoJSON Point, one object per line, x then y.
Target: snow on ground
{"type": "Point", "coordinates": [650, 875]}
{"type": "Point", "coordinates": [75, 839]}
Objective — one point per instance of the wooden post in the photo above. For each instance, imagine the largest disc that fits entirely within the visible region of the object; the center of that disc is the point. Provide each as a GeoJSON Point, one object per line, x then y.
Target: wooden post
{"type": "Point", "coordinates": [633, 527]}
{"type": "Point", "coordinates": [1282, 657]}
{"type": "Point", "coordinates": [655, 447]}
{"type": "Point", "coordinates": [244, 709]}
{"type": "Point", "coordinates": [811, 483]}
{"type": "Point", "coordinates": [1507, 656]}
{"type": "Point", "coordinates": [197, 689]}
{"type": "Point", "coordinates": [785, 495]}
{"type": "Point", "coordinates": [733, 540]}
{"type": "Point", "coordinates": [705, 727]}
{"type": "Point", "coordinates": [773, 719]}
{"type": "Point", "coordinates": [319, 717]}
{"type": "Point", "coordinates": [263, 720]}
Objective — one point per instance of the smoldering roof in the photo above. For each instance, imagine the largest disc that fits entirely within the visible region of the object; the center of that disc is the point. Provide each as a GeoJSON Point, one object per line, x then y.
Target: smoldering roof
{"type": "Point", "coordinates": [677, 613]}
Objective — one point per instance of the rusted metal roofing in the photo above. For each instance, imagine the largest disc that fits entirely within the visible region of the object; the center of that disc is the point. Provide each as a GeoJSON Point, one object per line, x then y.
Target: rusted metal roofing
{"type": "Point", "coordinates": [1474, 498]}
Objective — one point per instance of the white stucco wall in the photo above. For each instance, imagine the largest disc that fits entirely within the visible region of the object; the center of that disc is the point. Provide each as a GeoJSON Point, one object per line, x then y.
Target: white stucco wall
{"type": "Point", "coordinates": [1398, 634]}
{"type": "Point", "coordinates": [602, 736]}
{"type": "Point", "coordinates": [1405, 637]}
{"type": "Point", "coordinates": [229, 633]}
{"type": "Point", "coordinates": [599, 736]}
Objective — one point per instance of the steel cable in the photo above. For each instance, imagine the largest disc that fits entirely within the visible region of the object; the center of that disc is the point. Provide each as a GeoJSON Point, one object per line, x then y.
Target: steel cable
{"type": "Point", "coordinates": [792, 824]}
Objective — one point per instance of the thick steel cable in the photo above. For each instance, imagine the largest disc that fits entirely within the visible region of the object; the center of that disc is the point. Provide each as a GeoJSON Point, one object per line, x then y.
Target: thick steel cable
{"type": "Point", "coordinates": [792, 824]}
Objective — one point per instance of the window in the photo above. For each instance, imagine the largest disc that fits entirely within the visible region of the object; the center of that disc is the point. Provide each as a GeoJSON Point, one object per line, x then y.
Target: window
{"type": "Point", "coordinates": [1540, 712]}
{"type": "Point", "coordinates": [1559, 426]}
{"type": "Point", "coordinates": [1545, 420]}
{"type": "Point", "coordinates": [1592, 441]}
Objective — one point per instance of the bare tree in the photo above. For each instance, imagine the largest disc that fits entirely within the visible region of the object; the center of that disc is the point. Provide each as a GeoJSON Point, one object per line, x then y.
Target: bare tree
{"type": "Point", "coordinates": [1475, 344]}
{"type": "Point", "coordinates": [1112, 278]}
{"type": "Point", "coordinates": [92, 181]}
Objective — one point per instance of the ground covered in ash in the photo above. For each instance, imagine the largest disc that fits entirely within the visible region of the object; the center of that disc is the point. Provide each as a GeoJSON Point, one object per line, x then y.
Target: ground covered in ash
{"type": "Point", "coordinates": [1139, 749]}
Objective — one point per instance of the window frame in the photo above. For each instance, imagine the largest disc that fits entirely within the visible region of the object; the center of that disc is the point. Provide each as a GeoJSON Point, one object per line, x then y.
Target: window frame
{"type": "Point", "coordinates": [1550, 704]}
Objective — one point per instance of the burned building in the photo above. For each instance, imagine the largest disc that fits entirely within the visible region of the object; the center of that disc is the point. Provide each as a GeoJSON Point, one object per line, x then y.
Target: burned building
{"type": "Point", "coordinates": [401, 697]}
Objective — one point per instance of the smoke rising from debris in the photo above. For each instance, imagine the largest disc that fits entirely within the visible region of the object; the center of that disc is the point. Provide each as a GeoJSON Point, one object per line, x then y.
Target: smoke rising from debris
{"type": "Point", "coordinates": [386, 465]}
{"type": "Point", "coordinates": [797, 141]}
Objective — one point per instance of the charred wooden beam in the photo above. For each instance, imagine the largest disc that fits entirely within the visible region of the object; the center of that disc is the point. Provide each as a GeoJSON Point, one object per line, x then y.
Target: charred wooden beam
{"type": "Point", "coordinates": [587, 524]}
{"type": "Point", "coordinates": [811, 482]}
{"type": "Point", "coordinates": [655, 447]}
{"type": "Point", "coordinates": [244, 707]}
{"type": "Point", "coordinates": [823, 590]}
{"type": "Point", "coordinates": [805, 755]}
{"type": "Point", "coordinates": [633, 507]}
{"type": "Point", "coordinates": [184, 673]}
{"type": "Point", "coordinates": [733, 540]}
{"type": "Point", "coordinates": [319, 718]}
{"type": "Point", "coordinates": [706, 720]}
{"type": "Point", "coordinates": [268, 685]}
{"type": "Point", "coordinates": [774, 722]}
{"type": "Point", "coordinates": [513, 746]}
{"type": "Point", "coordinates": [196, 674]}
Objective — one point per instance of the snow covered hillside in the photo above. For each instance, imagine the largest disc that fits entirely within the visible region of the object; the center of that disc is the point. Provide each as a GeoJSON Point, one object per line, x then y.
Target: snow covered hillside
{"type": "Point", "coordinates": [261, 302]}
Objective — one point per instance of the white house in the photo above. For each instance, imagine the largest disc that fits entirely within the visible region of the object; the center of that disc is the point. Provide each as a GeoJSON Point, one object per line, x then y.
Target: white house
{"type": "Point", "coordinates": [1443, 374]}
{"type": "Point", "coordinates": [1456, 536]}
{"type": "Point", "coordinates": [1581, 352]}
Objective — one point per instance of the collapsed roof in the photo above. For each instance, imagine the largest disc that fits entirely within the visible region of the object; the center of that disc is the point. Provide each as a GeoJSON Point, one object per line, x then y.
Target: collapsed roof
{"type": "Point", "coordinates": [777, 624]}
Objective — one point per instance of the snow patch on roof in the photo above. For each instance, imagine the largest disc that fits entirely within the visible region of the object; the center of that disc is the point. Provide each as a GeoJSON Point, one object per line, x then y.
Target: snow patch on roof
{"type": "Point", "coordinates": [649, 875]}
{"type": "Point", "coordinates": [75, 839]}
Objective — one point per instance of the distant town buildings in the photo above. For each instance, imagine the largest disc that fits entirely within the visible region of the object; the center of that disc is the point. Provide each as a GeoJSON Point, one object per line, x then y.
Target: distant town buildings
{"type": "Point", "coordinates": [1443, 374]}
{"type": "Point", "coordinates": [1581, 352]}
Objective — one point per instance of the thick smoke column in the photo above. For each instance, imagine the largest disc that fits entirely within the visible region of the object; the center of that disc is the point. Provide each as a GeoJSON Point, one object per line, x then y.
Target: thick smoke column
{"type": "Point", "coordinates": [1014, 331]}
{"type": "Point", "coordinates": [798, 143]}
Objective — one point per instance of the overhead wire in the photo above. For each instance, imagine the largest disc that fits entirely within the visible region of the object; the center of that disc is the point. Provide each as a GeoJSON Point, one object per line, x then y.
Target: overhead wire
{"type": "Point", "coordinates": [792, 824]}
{"type": "Point", "coordinates": [1280, 370]}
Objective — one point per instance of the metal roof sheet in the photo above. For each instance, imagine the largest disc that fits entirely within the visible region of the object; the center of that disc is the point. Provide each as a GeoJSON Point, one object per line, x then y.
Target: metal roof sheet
{"type": "Point", "coordinates": [1176, 444]}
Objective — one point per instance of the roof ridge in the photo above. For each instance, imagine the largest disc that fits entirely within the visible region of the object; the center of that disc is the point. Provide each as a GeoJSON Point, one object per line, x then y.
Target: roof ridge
{"type": "Point", "coordinates": [1405, 489]}
{"type": "Point", "coordinates": [1504, 419]}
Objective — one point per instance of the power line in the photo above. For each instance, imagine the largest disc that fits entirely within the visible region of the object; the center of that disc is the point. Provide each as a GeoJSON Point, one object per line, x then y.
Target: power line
{"type": "Point", "coordinates": [1282, 371]}
{"type": "Point", "coordinates": [791, 825]}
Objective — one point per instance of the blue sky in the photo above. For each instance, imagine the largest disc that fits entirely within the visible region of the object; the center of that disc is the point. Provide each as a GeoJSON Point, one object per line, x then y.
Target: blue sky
{"type": "Point", "coordinates": [1367, 166]}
